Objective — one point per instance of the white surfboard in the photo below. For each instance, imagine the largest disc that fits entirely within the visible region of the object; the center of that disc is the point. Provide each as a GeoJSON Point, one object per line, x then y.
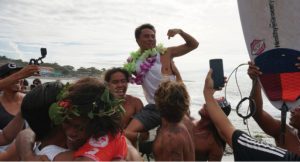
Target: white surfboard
{"type": "Point", "coordinates": [272, 28]}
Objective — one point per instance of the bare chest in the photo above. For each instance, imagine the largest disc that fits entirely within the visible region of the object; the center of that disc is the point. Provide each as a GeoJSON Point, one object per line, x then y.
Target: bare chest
{"type": "Point", "coordinates": [166, 64]}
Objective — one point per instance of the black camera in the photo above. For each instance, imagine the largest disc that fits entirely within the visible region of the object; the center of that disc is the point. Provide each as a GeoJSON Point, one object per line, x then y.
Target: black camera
{"type": "Point", "coordinates": [39, 60]}
{"type": "Point", "coordinates": [226, 107]}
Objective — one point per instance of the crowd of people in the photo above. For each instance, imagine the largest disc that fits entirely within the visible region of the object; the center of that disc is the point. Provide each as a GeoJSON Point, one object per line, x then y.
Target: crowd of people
{"type": "Point", "coordinates": [95, 119]}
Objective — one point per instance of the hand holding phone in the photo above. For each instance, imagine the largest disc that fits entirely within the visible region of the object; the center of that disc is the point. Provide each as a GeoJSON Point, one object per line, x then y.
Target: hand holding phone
{"type": "Point", "coordinates": [218, 73]}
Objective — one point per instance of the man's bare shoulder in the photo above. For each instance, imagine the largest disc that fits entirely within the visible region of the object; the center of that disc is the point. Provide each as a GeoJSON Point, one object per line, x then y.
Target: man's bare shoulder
{"type": "Point", "coordinates": [168, 52]}
{"type": "Point", "coordinates": [134, 102]}
{"type": "Point", "coordinates": [130, 98]}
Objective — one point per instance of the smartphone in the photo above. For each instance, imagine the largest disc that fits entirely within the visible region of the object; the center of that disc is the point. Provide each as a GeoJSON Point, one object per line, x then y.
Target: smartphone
{"type": "Point", "coordinates": [218, 73]}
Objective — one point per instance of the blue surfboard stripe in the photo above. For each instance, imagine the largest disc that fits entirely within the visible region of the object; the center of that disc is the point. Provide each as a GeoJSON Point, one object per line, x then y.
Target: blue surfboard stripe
{"type": "Point", "coordinates": [279, 60]}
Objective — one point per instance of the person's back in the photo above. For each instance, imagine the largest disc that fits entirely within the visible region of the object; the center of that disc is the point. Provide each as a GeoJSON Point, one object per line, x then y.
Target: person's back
{"type": "Point", "coordinates": [173, 143]}
{"type": "Point", "coordinates": [174, 140]}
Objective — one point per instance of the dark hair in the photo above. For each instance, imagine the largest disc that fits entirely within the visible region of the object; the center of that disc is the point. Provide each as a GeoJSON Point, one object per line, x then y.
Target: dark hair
{"type": "Point", "coordinates": [172, 100]}
{"type": "Point", "coordinates": [139, 29]}
{"type": "Point", "coordinates": [25, 82]}
{"type": "Point", "coordinates": [35, 107]}
{"type": "Point", "coordinates": [37, 80]}
{"type": "Point", "coordinates": [32, 86]}
{"type": "Point", "coordinates": [111, 71]}
{"type": "Point", "coordinates": [83, 94]}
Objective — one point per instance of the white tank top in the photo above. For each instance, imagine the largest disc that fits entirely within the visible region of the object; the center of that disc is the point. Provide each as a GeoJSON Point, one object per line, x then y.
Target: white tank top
{"type": "Point", "coordinates": [153, 78]}
{"type": "Point", "coordinates": [50, 151]}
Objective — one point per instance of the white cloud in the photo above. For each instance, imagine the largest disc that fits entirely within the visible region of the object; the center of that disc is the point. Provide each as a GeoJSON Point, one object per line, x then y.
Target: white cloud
{"type": "Point", "coordinates": [99, 31]}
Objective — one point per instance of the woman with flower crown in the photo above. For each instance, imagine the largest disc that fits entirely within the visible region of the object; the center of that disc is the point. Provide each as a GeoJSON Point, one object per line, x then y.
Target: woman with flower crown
{"type": "Point", "coordinates": [149, 66]}
{"type": "Point", "coordinates": [89, 117]}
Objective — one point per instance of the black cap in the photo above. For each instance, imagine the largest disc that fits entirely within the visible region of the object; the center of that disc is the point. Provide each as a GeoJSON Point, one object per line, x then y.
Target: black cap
{"type": "Point", "coordinates": [7, 68]}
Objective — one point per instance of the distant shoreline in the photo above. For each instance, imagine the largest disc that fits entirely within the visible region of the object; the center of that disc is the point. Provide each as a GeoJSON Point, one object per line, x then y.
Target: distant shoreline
{"type": "Point", "coordinates": [54, 78]}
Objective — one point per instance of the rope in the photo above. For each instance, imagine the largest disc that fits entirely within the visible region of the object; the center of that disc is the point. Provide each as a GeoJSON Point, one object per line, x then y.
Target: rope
{"type": "Point", "coordinates": [251, 105]}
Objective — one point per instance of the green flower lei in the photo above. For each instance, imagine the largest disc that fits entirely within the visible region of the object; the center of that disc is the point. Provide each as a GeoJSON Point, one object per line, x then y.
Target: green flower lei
{"type": "Point", "coordinates": [64, 109]}
{"type": "Point", "coordinates": [137, 55]}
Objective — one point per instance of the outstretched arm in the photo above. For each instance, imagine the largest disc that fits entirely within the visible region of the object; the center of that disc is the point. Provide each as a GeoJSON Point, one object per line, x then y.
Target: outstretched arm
{"type": "Point", "coordinates": [220, 120]}
{"type": "Point", "coordinates": [27, 71]}
{"type": "Point", "coordinates": [266, 122]}
{"type": "Point", "coordinates": [190, 43]}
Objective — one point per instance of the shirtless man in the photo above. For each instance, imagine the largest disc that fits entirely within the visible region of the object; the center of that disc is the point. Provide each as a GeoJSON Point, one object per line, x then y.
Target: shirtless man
{"type": "Point", "coordinates": [159, 66]}
{"type": "Point", "coordinates": [272, 126]}
{"type": "Point", "coordinates": [117, 80]}
{"type": "Point", "coordinates": [209, 146]}
{"type": "Point", "coordinates": [173, 141]}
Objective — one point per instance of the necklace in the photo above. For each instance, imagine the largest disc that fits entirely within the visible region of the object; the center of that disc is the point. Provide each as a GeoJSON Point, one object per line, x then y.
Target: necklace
{"type": "Point", "coordinates": [148, 59]}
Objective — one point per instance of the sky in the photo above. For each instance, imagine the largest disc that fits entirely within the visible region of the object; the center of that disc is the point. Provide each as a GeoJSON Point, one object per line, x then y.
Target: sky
{"type": "Point", "coordinates": [100, 33]}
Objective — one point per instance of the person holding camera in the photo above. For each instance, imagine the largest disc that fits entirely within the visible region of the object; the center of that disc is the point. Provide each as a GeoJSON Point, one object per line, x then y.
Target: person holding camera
{"type": "Point", "coordinates": [27, 71]}
{"type": "Point", "coordinates": [10, 103]}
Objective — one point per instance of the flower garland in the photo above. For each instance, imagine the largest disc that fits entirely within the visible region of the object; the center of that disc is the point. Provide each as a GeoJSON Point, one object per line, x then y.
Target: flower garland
{"type": "Point", "coordinates": [103, 105]}
{"type": "Point", "coordinates": [148, 58]}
